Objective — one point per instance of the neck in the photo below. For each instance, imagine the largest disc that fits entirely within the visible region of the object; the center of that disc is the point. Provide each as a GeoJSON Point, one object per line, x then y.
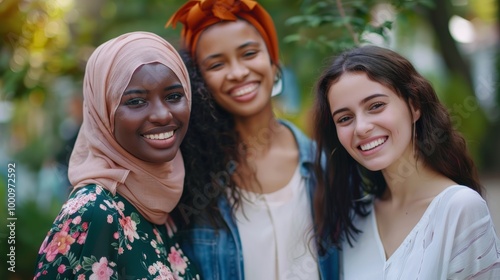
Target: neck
{"type": "Point", "coordinates": [258, 131]}
{"type": "Point", "coordinates": [411, 180]}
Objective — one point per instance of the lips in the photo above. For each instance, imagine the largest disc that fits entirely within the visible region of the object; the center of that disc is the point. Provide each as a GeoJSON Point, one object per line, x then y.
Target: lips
{"type": "Point", "coordinates": [244, 90]}
{"type": "Point", "coordinates": [159, 136]}
{"type": "Point", "coordinates": [372, 144]}
{"type": "Point", "coordinates": [160, 139]}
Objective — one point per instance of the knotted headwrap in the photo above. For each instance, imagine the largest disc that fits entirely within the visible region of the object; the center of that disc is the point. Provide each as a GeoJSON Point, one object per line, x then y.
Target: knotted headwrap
{"type": "Point", "coordinates": [198, 15]}
{"type": "Point", "coordinates": [154, 189]}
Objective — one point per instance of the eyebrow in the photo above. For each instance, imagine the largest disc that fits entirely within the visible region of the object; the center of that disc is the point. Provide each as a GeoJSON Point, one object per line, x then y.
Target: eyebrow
{"type": "Point", "coordinates": [363, 101]}
{"type": "Point", "coordinates": [144, 91]}
{"type": "Point", "coordinates": [242, 46]}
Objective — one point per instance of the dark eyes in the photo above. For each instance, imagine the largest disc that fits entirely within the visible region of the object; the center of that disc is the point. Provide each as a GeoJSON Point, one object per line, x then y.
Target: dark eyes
{"type": "Point", "coordinates": [175, 97]}
{"type": "Point", "coordinates": [376, 105]}
{"type": "Point", "coordinates": [343, 119]}
{"type": "Point", "coordinates": [214, 66]}
{"type": "Point", "coordinates": [135, 102]}
{"type": "Point", "coordinates": [373, 108]}
{"type": "Point", "coordinates": [248, 54]}
{"type": "Point", "coordinates": [140, 101]}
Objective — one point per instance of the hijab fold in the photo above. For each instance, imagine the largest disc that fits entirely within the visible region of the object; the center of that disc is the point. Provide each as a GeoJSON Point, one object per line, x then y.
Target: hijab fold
{"type": "Point", "coordinates": [198, 15]}
{"type": "Point", "coordinates": [154, 189]}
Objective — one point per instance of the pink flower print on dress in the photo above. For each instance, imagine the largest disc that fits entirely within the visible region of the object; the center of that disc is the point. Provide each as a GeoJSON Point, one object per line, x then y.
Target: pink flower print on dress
{"type": "Point", "coordinates": [120, 205]}
{"type": "Point", "coordinates": [44, 245]}
{"type": "Point", "coordinates": [171, 227]}
{"type": "Point", "coordinates": [77, 220]}
{"type": "Point", "coordinates": [100, 270]}
{"type": "Point", "coordinates": [129, 228]}
{"type": "Point", "coordinates": [164, 272]}
{"type": "Point", "coordinates": [61, 269]}
{"type": "Point", "coordinates": [60, 244]}
{"type": "Point", "coordinates": [82, 238]}
{"type": "Point", "coordinates": [176, 261]}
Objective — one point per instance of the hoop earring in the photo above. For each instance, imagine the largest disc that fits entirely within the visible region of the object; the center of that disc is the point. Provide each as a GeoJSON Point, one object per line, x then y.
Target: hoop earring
{"type": "Point", "coordinates": [278, 86]}
{"type": "Point", "coordinates": [331, 154]}
{"type": "Point", "coordinates": [415, 139]}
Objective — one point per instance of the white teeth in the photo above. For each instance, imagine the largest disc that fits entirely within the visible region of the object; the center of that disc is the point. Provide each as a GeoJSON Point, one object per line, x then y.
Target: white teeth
{"type": "Point", "coordinates": [245, 90]}
{"type": "Point", "coordinates": [160, 136]}
{"type": "Point", "coordinates": [372, 144]}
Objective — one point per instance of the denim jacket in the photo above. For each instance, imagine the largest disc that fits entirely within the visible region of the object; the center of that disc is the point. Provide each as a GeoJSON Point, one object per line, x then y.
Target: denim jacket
{"type": "Point", "coordinates": [217, 253]}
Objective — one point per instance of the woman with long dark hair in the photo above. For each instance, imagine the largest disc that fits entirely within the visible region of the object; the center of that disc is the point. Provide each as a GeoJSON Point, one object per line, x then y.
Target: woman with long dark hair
{"type": "Point", "coordinates": [400, 194]}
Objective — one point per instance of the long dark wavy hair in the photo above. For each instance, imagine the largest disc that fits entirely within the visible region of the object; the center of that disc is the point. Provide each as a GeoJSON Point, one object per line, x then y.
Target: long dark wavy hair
{"type": "Point", "coordinates": [342, 182]}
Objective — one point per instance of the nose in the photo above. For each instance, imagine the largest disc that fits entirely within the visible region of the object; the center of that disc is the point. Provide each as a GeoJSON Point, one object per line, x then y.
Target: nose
{"type": "Point", "coordinates": [159, 112]}
{"type": "Point", "coordinates": [237, 71]}
{"type": "Point", "coordinates": [363, 126]}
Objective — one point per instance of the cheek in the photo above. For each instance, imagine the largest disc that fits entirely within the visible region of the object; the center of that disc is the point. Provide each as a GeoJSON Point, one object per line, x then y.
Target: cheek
{"type": "Point", "coordinates": [212, 80]}
{"type": "Point", "coordinates": [118, 126]}
{"type": "Point", "coordinates": [344, 135]}
{"type": "Point", "coordinates": [181, 112]}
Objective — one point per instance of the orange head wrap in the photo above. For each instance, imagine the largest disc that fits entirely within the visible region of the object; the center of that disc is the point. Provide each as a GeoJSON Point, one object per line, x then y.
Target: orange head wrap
{"type": "Point", "coordinates": [197, 15]}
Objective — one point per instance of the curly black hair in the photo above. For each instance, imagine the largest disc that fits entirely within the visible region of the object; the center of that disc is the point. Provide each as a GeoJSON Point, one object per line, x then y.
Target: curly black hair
{"type": "Point", "coordinates": [210, 152]}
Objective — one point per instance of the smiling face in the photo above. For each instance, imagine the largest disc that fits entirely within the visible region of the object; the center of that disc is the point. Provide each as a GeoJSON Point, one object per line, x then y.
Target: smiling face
{"type": "Point", "coordinates": [235, 63]}
{"type": "Point", "coordinates": [373, 123]}
{"type": "Point", "coordinates": [153, 115]}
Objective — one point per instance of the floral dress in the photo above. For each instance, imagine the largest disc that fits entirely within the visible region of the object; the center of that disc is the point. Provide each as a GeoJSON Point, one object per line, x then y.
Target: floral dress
{"type": "Point", "coordinates": [100, 236]}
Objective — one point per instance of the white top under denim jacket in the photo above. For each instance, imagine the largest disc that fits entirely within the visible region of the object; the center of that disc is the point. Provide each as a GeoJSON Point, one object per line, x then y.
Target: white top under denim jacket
{"type": "Point", "coordinates": [277, 228]}
{"type": "Point", "coordinates": [218, 253]}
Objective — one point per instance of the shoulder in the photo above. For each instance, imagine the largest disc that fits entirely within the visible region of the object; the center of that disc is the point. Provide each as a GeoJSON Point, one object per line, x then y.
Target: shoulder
{"type": "Point", "coordinates": [88, 203]}
{"type": "Point", "coordinates": [299, 135]}
{"type": "Point", "coordinates": [461, 206]}
{"type": "Point", "coordinates": [306, 146]}
{"type": "Point", "coordinates": [462, 197]}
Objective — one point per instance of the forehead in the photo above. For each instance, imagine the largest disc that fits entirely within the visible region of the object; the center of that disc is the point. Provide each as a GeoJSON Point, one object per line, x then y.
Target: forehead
{"type": "Point", "coordinates": [153, 73]}
{"type": "Point", "coordinates": [353, 87]}
{"type": "Point", "coordinates": [226, 35]}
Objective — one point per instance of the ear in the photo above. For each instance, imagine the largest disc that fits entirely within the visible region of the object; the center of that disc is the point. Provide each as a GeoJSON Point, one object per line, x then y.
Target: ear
{"type": "Point", "coordinates": [416, 113]}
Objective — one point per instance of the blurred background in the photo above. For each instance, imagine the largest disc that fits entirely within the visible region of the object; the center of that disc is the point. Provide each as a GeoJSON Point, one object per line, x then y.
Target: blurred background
{"type": "Point", "coordinates": [45, 44]}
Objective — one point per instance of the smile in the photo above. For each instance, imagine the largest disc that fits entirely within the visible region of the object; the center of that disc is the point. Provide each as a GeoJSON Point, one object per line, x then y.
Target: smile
{"type": "Point", "coordinates": [373, 144]}
{"type": "Point", "coordinates": [160, 136]}
{"type": "Point", "coordinates": [245, 90]}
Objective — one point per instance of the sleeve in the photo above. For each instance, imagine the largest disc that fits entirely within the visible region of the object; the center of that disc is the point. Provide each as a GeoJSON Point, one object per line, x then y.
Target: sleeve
{"type": "Point", "coordinates": [80, 242]}
{"type": "Point", "coordinates": [476, 247]}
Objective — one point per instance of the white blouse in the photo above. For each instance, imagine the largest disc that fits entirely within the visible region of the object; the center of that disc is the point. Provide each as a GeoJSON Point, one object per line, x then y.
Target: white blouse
{"type": "Point", "coordinates": [275, 233]}
{"type": "Point", "coordinates": [454, 239]}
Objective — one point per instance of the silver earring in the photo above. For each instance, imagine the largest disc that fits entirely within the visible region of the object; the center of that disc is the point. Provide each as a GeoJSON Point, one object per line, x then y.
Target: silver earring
{"type": "Point", "coordinates": [278, 86]}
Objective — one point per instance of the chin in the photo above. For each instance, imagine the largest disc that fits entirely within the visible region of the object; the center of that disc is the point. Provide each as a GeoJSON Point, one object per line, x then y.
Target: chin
{"type": "Point", "coordinates": [374, 166]}
{"type": "Point", "coordinates": [159, 158]}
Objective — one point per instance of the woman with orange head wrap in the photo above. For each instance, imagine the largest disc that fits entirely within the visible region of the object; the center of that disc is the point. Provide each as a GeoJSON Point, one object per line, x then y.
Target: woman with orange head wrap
{"type": "Point", "coordinates": [126, 168]}
{"type": "Point", "coordinates": [246, 211]}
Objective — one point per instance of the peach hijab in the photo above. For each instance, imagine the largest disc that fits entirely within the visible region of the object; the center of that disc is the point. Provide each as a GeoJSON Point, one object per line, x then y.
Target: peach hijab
{"type": "Point", "coordinates": [198, 15]}
{"type": "Point", "coordinates": [154, 189]}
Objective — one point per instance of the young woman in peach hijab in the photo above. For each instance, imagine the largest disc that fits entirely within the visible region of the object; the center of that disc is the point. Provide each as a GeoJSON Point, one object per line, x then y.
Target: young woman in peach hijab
{"type": "Point", "coordinates": [247, 211]}
{"type": "Point", "coordinates": [126, 168]}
